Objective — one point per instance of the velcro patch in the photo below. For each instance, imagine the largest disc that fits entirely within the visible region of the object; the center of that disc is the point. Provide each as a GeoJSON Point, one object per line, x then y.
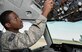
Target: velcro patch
{"type": "Point", "coordinates": [11, 37]}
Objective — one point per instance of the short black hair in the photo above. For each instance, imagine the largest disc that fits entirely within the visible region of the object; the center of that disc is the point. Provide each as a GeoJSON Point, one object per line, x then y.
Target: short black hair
{"type": "Point", "coordinates": [4, 17]}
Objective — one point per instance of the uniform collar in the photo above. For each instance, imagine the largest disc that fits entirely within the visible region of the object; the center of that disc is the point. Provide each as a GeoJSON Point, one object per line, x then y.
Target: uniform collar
{"type": "Point", "coordinates": [11, 32]}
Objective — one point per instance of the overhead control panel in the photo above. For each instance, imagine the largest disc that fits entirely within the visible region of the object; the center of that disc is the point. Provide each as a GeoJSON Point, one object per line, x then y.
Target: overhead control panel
{"type": "Point", "coordinates": [70, 10]}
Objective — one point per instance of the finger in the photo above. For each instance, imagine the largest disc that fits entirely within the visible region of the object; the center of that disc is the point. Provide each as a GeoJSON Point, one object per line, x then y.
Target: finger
{"type": "Point", "coordinates": [49, 1]}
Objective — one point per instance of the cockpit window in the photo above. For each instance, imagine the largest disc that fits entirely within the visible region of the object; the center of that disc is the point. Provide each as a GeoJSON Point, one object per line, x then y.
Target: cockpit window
{"type": "Point", "coordinates": [65, 30]}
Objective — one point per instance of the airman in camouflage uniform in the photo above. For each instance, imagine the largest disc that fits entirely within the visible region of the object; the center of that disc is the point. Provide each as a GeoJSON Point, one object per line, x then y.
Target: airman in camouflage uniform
{"type": "Point", "coordinates": [12, 39]}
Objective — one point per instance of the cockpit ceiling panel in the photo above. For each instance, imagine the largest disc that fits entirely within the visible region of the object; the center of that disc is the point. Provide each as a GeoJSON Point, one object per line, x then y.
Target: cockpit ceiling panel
{"type": "Point", "coordinates": [16, 2]}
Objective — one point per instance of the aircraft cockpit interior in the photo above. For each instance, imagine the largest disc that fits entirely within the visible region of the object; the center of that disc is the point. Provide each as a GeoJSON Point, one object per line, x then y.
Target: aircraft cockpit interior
{"type": "Point", "coordinates": [64, 20]}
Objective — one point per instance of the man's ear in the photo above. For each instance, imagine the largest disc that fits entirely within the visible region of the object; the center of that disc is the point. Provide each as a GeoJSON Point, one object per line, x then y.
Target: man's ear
{"type": "Point", "coordinates": [8, 25]}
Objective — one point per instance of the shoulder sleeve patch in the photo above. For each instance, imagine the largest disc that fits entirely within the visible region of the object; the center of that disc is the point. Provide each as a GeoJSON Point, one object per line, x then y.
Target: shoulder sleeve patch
{"type": "Point", "coordinates": [11, 37]}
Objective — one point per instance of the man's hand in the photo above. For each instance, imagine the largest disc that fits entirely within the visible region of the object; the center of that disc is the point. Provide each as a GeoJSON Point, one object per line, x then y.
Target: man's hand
{"type": "Point", "coordinates": [63, 1]}
{"type": "Point", "coordinates": [48, 5]}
